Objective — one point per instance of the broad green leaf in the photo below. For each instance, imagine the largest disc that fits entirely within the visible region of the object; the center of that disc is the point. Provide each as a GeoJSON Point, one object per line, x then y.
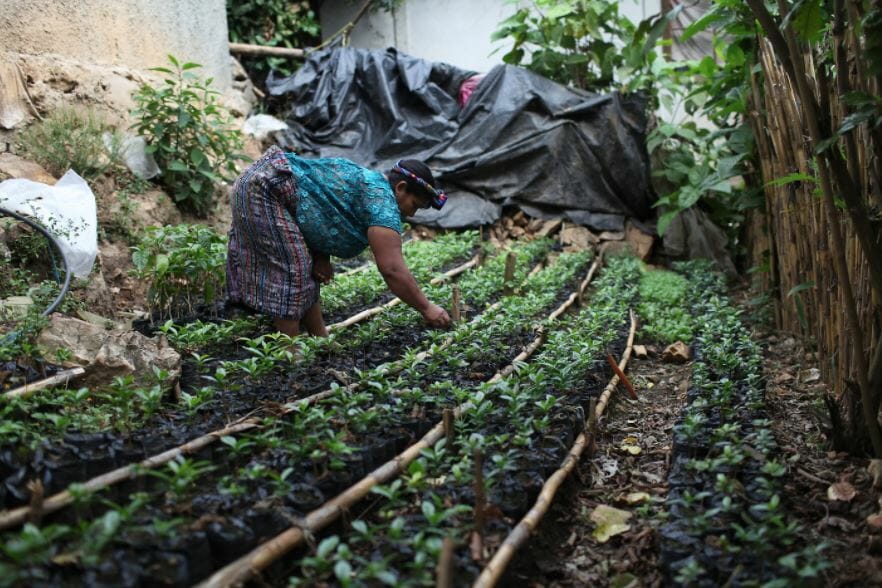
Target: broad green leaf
{"type": "Point", "coordinates": [197, 156]}
{"type": "Point", "coordinates": [790, 178]}
{"type": "Point", "coordinates": [709, 18]}
{"type": "Point", "coordinates": [343, 571]}
{"type": "Point", "coordinates": [560, 11]}
{"type": "Point", "coordinates": [664, 221]}
{"type": "Point", "coordinates": [807, 19]}
{"type": "Point", "coordinates": [855, 119]}
{"type": "Point", "coordinates": [327, 546]}
{"type": "Point", "coordinates": [161, 263]}
{"type": "Point", "coordinates": [190, 65]}
{"type": "Point", "coordinates": [800, 288]}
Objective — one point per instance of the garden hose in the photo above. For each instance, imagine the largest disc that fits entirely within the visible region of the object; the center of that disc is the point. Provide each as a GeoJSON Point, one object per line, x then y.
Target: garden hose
{"type": "Point", "coordinates": [53, 242]}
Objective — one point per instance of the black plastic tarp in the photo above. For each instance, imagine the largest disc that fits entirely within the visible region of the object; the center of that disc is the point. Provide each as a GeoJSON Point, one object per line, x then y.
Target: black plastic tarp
{"type": "Point", "coordinates": [520, 140]}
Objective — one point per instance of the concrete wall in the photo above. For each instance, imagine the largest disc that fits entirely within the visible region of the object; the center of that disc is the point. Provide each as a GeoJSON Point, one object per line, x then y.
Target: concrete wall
{"type": "Point", "coordinates": [453, 31]}
{"type": "Point", "coordinates": [136, 34]}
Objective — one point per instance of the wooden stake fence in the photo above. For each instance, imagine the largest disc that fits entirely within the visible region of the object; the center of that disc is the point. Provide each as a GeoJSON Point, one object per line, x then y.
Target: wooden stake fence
{"type": "Point", "coordinates": [791, 237]}
{"type": "Point", "coordinates": [494, 569]}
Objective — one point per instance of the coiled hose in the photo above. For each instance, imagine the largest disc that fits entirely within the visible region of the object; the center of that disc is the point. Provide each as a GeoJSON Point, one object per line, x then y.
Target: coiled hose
{"type": "Point", "coordinates": [53, 242]}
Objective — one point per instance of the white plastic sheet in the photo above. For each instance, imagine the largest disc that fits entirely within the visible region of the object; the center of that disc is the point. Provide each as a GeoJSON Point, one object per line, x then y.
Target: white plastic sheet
{"type": "Point", "coordinates": [66, 209]}
{"type": "Point", "coordinates": [133, 150]}
{"type": "Point", "coordinates": [260, 126]}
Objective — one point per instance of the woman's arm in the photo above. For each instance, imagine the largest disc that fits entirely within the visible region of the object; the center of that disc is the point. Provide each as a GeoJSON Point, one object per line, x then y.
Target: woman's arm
{"type": "Point", "coordinates": [386, 246]}
{"type": "Point", "coordinates": [322, 269]}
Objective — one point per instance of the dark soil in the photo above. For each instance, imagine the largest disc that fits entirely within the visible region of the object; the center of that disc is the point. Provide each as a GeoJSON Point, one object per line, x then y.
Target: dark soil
{"type": "Point", "coordinates": [564, 552]}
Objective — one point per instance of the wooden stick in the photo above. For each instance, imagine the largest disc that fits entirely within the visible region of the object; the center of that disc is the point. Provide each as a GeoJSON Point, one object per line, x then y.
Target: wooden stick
{"type": "Point", "coordinates": [592, 425]}
{"type": "Point", "coordinates": [368, 313]}
{"type": "Point", "coordinates": [56, 380]}
{"type": "Point", "coordinates": [607, 393]}
{"type": "Point", "coordinates": [265, 554]}
{"type": "Point", "coordinates": [449, 425]}
{"type": "Point", "coordinates": [249, 49]}
{"type": "Point", "coordinates": [444, 571]}
{"type": "Point", "coordinates": [622, 376]}
{"type": "Point", "coordinates": [508, 277]}
{"type": "Point", "coordinates": [480, 500]}
{"type": "Point", "coordinates": [456, 296]}
{"type": "Point", "coordinates": [493, 571]}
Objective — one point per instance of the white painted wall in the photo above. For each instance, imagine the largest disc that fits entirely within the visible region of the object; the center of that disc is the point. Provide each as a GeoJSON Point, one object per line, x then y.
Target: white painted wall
{"type": "Point", "coordinates": [452, 31]}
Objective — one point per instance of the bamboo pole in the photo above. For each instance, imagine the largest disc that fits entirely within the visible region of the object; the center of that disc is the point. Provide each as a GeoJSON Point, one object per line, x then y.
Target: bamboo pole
{"type": "Point", "coordinates": [258, 559]}
{"type": "Point", "coordinates": [249, 49]}
{"type": "Point", "coordinates": [57, 380]}
{"type": "Point", "coordinates": [58, 501]}
{"type": "Point", "coordinates": [494, 569]}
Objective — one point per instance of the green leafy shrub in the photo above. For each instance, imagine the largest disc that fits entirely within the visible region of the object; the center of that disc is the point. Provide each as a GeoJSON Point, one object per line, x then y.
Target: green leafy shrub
{"type": "Point", "coordinates": [71, 139]}
{"type": "Point", "coordinates": [189, 134]}
{"type": "Point", "coordinates": [184, 265]}
{"type": "Point", "coordinates": [273, 23]}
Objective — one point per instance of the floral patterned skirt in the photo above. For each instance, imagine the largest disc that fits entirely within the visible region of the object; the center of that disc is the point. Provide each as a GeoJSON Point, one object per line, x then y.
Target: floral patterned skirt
{"type": "Point", "coordinates": [269, 266]}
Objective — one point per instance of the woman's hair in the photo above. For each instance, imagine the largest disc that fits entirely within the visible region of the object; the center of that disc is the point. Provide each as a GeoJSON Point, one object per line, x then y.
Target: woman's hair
{"type": "Point", "coordinates": [419, 169]}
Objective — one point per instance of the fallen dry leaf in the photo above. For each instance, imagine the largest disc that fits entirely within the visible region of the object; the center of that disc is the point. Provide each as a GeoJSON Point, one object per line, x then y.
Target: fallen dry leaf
{"type": "Point", "coordinates": [610, 522]}
{"type": "Point", "coordinates": [842, 491]}
{"type": "Point", "coordinates": [630, 445]}
{"type": "Point", "coordinates": [637, 497]}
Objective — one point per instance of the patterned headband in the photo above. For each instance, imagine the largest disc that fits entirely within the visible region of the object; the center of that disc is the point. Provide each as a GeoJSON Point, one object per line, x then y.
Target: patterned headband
{"type": "Point", "coordinates": [438, 196]}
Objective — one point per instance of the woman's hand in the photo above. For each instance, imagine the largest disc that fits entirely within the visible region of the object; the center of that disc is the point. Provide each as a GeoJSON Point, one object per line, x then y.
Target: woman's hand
{"type": "Point", "coordinates": [322, 270]}
{"type": "Point", "coordinates": [435, 316]}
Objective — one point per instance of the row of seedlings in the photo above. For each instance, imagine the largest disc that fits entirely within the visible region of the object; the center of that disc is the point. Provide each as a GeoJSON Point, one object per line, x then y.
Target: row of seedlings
{"type": "Point", "coordinates": [726, 522]}
{"type": "Point", "coordinates": [352, 292]}
{"type": "Point", "coordinates": [323, 454]}
{"type": "Point", "coordinates": [55, 435]}
{"type": "Point", "coordinates": [471, 486]}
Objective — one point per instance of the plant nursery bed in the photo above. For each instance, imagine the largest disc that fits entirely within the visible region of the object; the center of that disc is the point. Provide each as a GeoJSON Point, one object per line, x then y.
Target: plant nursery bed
{"type": "Point", "coordinates": [401, 459]}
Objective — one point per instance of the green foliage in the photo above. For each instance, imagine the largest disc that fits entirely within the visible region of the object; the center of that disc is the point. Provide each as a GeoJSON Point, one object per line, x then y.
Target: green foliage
{"type": "Point", "coordinates": [273, 23]}
{"type": "Point", "coordinates": [663, 307]}
{"type": "Point", "coordinates": [584, 43]}
{"type": "Point", "coordinates": [189, 134]}
{"type": "Point", "coordinates": [185, 266]}
{"type": "Point", "coordinates": [569, 42]}
{"type": "Point", "coordinates": [72, 139]}
{"type": "Point", "coordinates": [589, 44]}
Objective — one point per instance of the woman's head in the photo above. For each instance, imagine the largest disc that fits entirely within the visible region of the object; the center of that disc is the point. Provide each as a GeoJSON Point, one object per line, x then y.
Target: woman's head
{"type": "Point", "coordinates": [415, 187]}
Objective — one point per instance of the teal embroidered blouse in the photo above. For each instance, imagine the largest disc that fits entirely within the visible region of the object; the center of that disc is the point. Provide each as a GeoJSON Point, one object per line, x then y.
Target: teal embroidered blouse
{"type": "Point", "coordinates": [337, 202]}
